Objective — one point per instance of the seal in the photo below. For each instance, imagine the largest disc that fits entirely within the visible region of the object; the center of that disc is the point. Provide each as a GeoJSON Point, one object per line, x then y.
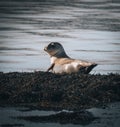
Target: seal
{"type": "Point", "coordinates": [61, 63]}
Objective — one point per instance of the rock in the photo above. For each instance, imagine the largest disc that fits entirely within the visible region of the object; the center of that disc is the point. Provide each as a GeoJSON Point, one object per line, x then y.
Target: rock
{"type": "Point", "coordinates": [45, 90]}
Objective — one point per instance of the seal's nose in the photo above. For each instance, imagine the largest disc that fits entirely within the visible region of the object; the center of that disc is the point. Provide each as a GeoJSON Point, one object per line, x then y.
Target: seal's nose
{"type": "Point", "coordinates": [45, 49]}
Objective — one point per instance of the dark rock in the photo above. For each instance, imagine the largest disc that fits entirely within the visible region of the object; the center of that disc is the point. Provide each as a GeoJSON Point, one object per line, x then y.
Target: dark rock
{"type": "Point", "coordinates": [49, 91]}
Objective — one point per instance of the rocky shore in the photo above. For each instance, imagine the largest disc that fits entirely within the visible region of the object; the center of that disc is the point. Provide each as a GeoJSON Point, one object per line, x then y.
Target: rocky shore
{"type": "Point", "coordinates": [73, 93]}
{"type": "Point", "coordinates": [48, 91]}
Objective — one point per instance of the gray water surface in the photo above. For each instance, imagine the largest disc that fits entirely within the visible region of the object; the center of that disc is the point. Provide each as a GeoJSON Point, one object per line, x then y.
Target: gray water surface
{"type": "Point", "coordinates": [107, 117]}
{"type": "Point", "coordinates": [88, 29]}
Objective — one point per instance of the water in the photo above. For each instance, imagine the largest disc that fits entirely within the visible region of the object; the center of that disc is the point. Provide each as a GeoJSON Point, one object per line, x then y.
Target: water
{"type": "Point", "coordinates": [88, 29]}
{"type": "Point", "coordinates": [109, 116]}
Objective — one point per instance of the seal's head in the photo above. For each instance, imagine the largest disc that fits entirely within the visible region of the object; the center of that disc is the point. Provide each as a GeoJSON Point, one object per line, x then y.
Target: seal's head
{"type": "Point", "coordinates": [55, 49]}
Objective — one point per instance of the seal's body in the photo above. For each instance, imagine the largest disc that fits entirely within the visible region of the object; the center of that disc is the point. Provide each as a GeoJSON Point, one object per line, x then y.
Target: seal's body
{"type": "Point", "coordinates": [61, 63]}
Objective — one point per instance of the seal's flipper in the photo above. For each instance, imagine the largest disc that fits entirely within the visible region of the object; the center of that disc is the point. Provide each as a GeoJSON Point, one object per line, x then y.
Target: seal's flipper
{"type": "Point", "coordinates": [89, 68]}
{"type": "Point", "coordinates": [50, 68]}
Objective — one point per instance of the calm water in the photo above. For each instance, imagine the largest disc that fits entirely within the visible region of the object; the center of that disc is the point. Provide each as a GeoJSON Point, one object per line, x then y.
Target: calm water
{"type": "Point", "coordinates": [108, 117]}
{"type": "Point", "coordinates": [88, 30]}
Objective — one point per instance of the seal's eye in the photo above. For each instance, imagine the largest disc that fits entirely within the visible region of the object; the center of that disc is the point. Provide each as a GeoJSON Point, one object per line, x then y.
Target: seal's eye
{"type": "Point", "coordinates": [52, 45]}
